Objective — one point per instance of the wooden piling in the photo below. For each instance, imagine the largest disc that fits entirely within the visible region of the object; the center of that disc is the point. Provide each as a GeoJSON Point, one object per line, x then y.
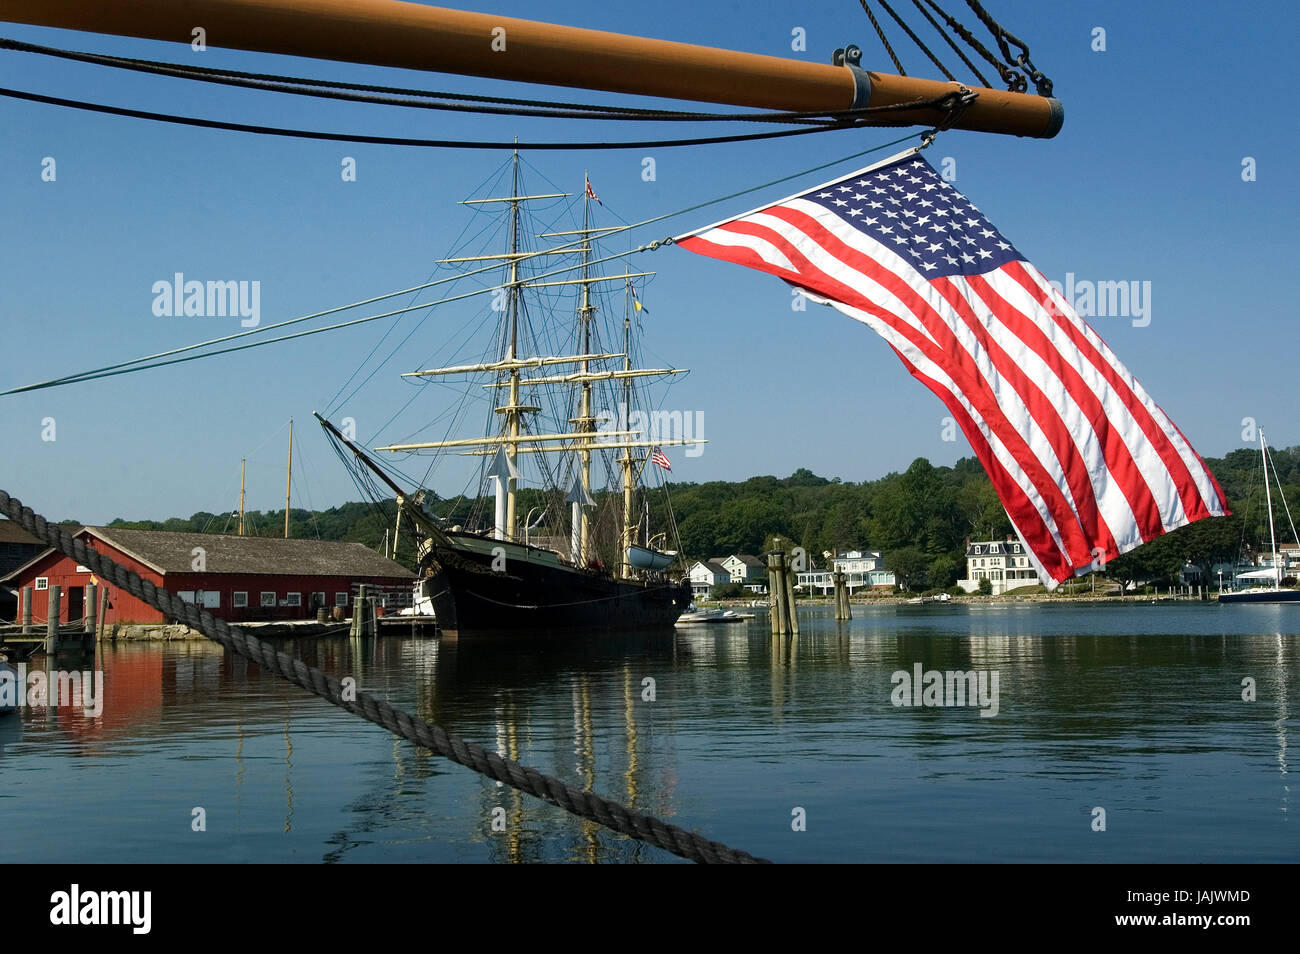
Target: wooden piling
{"type": "Point", "coordinates": [791, 607]}
{"type": "Point", "coordinates": [361, 613]}
{"type": "Point", "coordinates": [780, 593]}
{"type": "Point", "coordinates": [88, 626]}
{"type": "Point", "coordinates": [842, 608]}
{"type": "Point", "coordinates": [52, 619]}
{"type": "Point", "coordinates": [27, 611]}
{"type": "Point", "coordinates": [774, 590]}
{"type": "Point", "coordinates": [103, 613]}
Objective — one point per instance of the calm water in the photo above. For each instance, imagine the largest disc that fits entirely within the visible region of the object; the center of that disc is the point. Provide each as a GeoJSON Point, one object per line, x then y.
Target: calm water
{"type": "Point", "coordinates": [1134, 709]}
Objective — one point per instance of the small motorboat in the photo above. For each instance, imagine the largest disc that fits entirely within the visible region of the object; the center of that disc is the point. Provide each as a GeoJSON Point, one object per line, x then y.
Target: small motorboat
{"type": "Point", "coordinates": [693, 616]}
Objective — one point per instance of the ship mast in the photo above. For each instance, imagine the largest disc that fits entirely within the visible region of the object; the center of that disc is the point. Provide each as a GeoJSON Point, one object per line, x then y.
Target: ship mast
{"type": "Point", "coordinates": [517, 369]}
{"type": "Point", "coordinates": [513, 410]}
{"type": "Point", "coordinates": [584, 421]}
{"type": "Point", "coordinates": [1268, 495]}
{"type": "Point", "coordinates": [627, 460]}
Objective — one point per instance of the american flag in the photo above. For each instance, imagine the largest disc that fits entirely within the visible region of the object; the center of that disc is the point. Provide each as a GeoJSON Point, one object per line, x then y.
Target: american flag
{"type": "Point", "coordinates": [591, 193]}
{"type": "Point", "coordinates": [1084, 461]}
{"type": "Point", "coordinates": [661, 459]}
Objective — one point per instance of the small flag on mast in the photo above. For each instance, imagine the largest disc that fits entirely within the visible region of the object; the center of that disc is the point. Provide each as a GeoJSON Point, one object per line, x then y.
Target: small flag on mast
{"type": "Point", "coordinates": [636, 303]}
{"type": "Point", "coordinates": [1086, 464]}
{"type": "Point", "coordinates": [591, 193]}
{"type": "Point", "coordinates": [661, 460]}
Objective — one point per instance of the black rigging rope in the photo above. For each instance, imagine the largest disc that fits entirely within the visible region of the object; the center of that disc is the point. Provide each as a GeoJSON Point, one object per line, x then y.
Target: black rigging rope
{"type": "Point", "coordinates": [952, 43]}
{"type": "Point", "coordinates": [1042, 84]}
{"type": "Point", "coordinates": [917, 40]}
{"type": "Point", "coordinates": [1009, 76]}
{"type": "Point", "coordinates": [588, 805]}
{"type": "Point", "coordinates": [452, 143]}
{"type": "Point", "coordinates": [880, 32]}
{"type": "Point", "coordinates": [408, 97]}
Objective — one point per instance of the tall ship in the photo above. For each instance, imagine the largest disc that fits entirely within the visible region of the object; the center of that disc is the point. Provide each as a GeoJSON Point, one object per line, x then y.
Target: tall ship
{"type": "Point", "coordinates": [566, 458]}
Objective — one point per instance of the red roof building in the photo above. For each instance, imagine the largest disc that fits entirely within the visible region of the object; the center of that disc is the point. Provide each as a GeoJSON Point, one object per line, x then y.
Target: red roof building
{"type": "Point", "coordinates": [234, 578]}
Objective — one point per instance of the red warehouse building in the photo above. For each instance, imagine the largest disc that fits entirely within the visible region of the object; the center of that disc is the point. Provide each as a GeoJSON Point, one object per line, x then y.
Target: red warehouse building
{"type": "Point", "coordinates": [235, 578]}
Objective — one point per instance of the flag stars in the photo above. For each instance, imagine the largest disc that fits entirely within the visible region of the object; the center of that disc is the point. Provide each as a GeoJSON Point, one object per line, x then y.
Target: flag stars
{"type": "Point", "coordinates": [936, 229]}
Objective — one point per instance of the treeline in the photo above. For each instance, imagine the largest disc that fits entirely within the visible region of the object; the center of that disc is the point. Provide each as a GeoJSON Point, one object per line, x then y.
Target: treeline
{"type": "Point", "coordinates": [920, 519]}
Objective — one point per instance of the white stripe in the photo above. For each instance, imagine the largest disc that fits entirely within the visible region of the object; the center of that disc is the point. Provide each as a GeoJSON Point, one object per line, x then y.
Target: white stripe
{"type": "Point", "coordinates": [764, 250]}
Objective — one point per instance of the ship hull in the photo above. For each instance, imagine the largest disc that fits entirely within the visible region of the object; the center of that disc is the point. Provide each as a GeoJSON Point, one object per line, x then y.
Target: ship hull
{"type": "Point", "coordinates": [1261, 596]}
{"type": "Point", "coordinates": [488, 588]}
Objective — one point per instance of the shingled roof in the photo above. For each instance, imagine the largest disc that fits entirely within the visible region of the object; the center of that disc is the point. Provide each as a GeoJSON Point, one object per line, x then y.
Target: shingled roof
{"type": "Point", "coordinates": [10, 532]}
{"type": "Point", "coordinates": [169, 552]}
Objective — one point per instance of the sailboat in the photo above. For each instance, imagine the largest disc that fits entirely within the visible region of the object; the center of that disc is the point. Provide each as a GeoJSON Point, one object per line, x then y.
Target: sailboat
{"type": "Point", "coordinates": [604, 573]}
{"type": "Point", "coordinates": [1276, 593]}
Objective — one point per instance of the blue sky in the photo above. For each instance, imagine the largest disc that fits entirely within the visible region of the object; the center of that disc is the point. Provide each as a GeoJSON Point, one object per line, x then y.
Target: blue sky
{"type": "Point", "coordinates": [1144, 184]}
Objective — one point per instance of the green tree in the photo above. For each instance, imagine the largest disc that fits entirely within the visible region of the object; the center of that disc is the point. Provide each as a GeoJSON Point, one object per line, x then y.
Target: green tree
{"type": "Point", "coordinates": [911, 568]}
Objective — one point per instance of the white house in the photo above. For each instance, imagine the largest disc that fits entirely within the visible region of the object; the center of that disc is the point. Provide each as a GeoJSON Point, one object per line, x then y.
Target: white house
{"type": "Point", "coordinates": [862, 569]}
{"type": "Point", "coordinates": [1004, 563]}
{"type": "Point", "coordinates": [705, 575]}
{"type": "Point", "coordinates": [746, 569]}
{"type": "Point", "coordinates": [858, 561]}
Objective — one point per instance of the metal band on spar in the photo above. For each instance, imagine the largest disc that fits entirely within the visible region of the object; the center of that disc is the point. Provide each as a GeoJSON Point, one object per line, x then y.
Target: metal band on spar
{"type": "Point", "coordinates": [413, 36]}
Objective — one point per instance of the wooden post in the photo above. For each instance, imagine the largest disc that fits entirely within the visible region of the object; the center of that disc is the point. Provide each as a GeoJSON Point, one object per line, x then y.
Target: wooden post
{"type": "Point", "coordinates": [780, 593]}
{"type": "Point", "coordinates": [27, 611]}
{"type": "Point", "coordinates": [52, 620]}
{"type": "Point", "coordinates": [842, 610]}
{"type": "Point", "coordinates": [103, 612]}
{"type": "Point", "coordinates": [773, 594]}
{"type": "Point", "coordinates": [791, 608]}
{"type": "Point", "coordinates": [92, 591]}
{"type": "Point", "coordinates": [361, 613]}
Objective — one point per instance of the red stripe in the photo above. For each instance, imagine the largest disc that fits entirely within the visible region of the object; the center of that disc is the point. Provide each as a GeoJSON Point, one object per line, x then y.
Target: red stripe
{"type": "Point", "coordinates": [1193, 505]}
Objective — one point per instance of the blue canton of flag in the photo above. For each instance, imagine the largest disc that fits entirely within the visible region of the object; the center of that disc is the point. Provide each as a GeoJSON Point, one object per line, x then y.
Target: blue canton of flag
{"type": "Point", "coordinates": [910, 209]}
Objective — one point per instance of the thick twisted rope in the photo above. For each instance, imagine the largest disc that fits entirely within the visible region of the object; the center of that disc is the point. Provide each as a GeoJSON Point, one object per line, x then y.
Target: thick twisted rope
{"type": "Point", "coordinates": [586, 805]}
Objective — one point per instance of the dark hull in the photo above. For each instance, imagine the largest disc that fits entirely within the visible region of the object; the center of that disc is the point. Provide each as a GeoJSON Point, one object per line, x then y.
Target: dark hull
{"type": "Point", "coordinates": [532, 599]}
{"type": "Point", "coordinates": [1264, 596]}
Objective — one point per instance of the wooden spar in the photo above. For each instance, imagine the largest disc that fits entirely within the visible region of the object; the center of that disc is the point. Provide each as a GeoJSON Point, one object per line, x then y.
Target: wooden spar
{"type": "Point", "coordinates": [413, 36]}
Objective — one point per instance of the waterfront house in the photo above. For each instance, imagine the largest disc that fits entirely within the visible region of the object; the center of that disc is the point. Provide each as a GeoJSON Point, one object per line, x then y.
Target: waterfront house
{"type": "Point", "coordinates": [705, 575]}
{"type": "Point", "coordinates": [862, 569]}
{"type": "Point", "coordinates": [1004, 563]}
{"type": "Point", "coordinates": [235, 578]}
{"type": "Point", "coordinates": [747, 570]}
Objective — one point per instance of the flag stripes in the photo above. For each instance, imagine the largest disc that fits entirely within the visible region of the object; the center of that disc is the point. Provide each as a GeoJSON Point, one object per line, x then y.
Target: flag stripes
{"type": "Point", "coordinates": [1085, 463]}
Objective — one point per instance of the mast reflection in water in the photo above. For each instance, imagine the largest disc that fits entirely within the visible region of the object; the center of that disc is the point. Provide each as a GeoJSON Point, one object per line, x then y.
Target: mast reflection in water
{"type": "Point", "coordinates": [1138, 709]}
